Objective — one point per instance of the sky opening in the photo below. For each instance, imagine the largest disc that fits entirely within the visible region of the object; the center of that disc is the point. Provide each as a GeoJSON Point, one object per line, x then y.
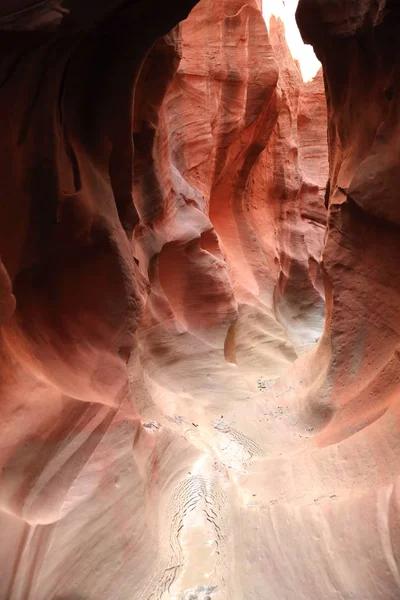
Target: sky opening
{"type": "Point", "coordinates": [285, 9]}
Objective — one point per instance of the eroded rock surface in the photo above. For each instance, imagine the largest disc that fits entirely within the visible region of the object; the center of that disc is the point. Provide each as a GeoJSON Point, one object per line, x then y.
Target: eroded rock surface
{"type": "Point", "coordinates": [161, 225]}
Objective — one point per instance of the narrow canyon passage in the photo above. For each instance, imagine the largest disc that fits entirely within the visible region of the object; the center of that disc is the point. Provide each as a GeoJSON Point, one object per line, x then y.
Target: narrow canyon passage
{"type": "Point", "coordinates": [199, 300]}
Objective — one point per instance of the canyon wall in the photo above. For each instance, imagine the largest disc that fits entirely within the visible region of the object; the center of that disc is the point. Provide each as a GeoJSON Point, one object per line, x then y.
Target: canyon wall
{"type": "Point", "coordinates": [325, 508]}
{"type": "Point", "coordinates": [162, 224]}
{"type": "Point", "coordinates": [230, 180]}
{"type": "Point", "coordinates": [341, 400]}
{"type": "Point", "coordinates": [71, 297]}
{"type": "Point", "coordinates": [358, 46]}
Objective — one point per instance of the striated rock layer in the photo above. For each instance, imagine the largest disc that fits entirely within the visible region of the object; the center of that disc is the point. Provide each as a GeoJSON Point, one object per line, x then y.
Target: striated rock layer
{"type": "Point", "coordinates": [342, 514]}
{"type": "Point", "coordinates": [231, 206]}
{"type": "Point", "coordinates": [162, 222]}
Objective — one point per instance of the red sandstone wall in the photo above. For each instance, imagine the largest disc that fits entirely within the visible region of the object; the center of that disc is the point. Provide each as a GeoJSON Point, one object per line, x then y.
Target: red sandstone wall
{"type": "Point", "coordinates": [160, 233]}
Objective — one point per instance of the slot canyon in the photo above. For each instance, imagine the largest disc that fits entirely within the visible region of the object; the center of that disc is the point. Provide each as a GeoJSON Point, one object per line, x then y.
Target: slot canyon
{"type": "Point", "coordinates": [199, 301]}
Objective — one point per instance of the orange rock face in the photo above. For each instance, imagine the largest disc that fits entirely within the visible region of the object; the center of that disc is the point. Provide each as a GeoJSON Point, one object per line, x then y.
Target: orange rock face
{"type": "Point", "coordinates": [231, 204]}
{"type": "Point", "coordinates": [342, 396]}
{"type": "Point", "coordinates": [362, 220]}
{"type": "Point", "coordinates": [168, 242]}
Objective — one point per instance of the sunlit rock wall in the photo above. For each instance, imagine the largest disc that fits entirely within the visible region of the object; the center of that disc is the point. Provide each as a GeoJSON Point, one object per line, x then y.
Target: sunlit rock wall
{"type": "Point", "coordinates": [230, 177]}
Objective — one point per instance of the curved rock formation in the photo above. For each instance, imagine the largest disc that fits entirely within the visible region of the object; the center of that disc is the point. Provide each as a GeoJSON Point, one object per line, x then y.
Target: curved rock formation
{"type": "Point", "coordinates": [240, 234]}
{"type": "Point", "coordinates": [70, 297]}
{"type": "Point", "coordinates": [337, 451]}
{"type": "Point", "coordinates": [359, 256]}
{"type": "Point", "coordinates": [162, 225]}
